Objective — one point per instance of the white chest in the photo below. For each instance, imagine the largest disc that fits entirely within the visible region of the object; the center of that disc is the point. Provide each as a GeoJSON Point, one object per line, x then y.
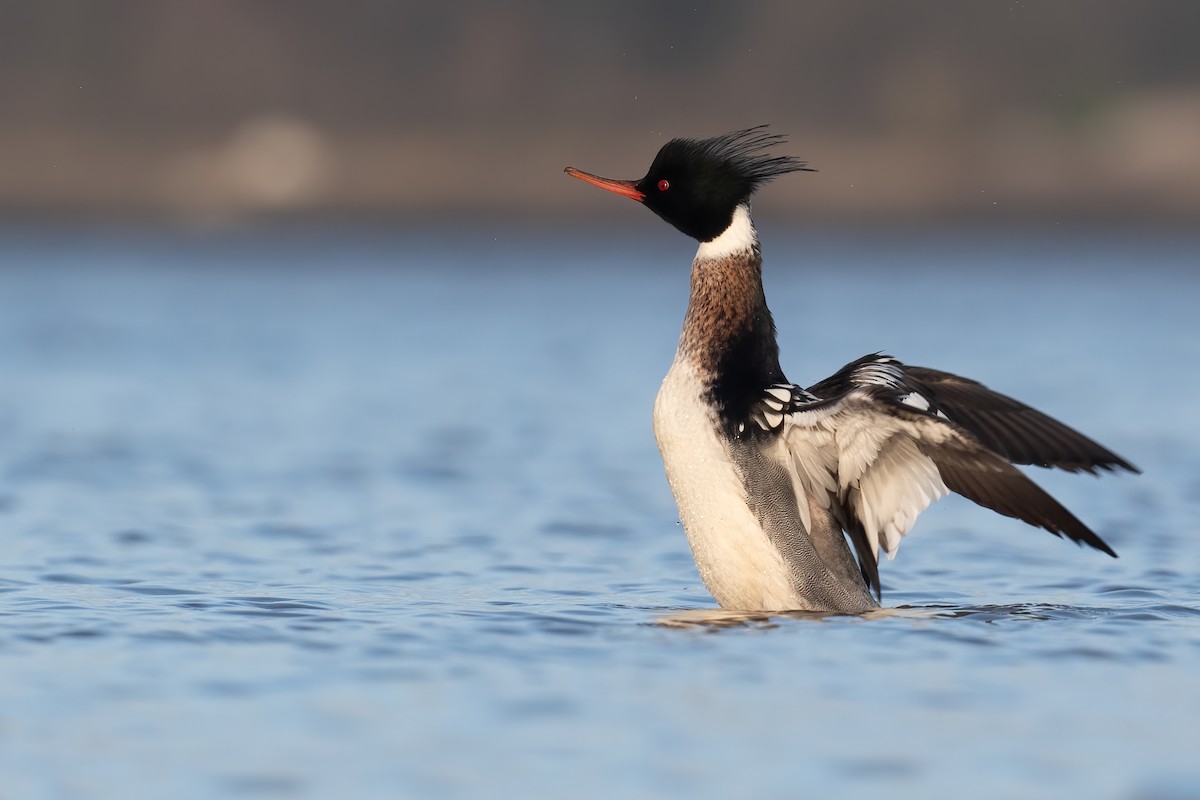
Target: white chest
{"type": "Point", "coordinates": [736, 560]}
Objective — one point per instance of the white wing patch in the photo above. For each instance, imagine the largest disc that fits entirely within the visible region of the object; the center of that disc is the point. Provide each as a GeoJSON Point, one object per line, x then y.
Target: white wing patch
{"type": "Point", "coordinates": [891, 494]}
{"type": "Point", "coordinates": [812, 462]}
{"type": "Point", "coordinates": [883, 371]}
{"type": "Point", "coordinates": [869, 460]}
{"type": "Point", "coordinates": [777, 402]}
{"type": "Point", "coordinates": [781, 393]}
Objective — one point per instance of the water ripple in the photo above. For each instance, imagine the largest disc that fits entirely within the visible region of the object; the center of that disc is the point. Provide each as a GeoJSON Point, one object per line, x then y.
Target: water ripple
{"type": "Point", "coordinates": [262, 530]}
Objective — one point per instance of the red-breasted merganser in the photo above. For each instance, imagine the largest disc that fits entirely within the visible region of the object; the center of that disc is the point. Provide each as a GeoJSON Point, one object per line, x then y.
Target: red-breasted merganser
{"type": "Point", "coordinates": [771, 479]}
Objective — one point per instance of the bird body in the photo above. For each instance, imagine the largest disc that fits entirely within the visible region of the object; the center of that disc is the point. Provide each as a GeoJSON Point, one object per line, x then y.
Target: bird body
{"type": "Point", "coordinates": [776, 484]}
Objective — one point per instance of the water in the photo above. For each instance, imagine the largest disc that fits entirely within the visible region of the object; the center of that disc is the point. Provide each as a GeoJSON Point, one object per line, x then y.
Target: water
{"type": "Point", "coordinates": [376, 516]}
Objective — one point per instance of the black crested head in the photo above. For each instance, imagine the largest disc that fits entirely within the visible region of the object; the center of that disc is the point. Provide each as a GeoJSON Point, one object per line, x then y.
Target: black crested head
{"type": "Point", "coordinates": [696, 184]}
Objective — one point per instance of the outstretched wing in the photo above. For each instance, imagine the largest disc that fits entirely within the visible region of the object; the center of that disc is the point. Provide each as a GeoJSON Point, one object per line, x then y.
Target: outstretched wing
{"type": "Point", "coordinates": [1021, 434]}
{"type": "Point", "coordinates": [875, 445]}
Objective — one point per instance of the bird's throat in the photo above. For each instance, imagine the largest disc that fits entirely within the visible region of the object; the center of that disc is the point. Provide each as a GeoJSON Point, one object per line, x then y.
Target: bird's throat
{"type": "Point", "coordinates": [728, 333]}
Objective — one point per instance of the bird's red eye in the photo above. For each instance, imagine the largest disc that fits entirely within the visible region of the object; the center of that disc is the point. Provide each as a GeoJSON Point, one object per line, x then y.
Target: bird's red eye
{"type": "Point", "coordinates": [663, 185]}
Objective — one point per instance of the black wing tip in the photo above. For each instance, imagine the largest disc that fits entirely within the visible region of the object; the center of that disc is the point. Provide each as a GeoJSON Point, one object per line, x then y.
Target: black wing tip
{"type": "Point", "coordinates": [1102, 546]}
{"type": "Point", "coordinates": [1084, 536]}
{"type": "Point", "coordinates": [870, 575]}
{"type": "Point", "coordinates": [1064, 523]}
{"type": "Point", "coordinates": [1103, 466]}
{"type": "Point", "coordinates": [1121, 464]}
{"type": "Point", "coordinates": [1008, 491]}
{"type": "Point", "coordinates": [868, 565]}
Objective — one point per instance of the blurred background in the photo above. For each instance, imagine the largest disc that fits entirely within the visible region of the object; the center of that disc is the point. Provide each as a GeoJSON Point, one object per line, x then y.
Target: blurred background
{"type": "Point", "coordinates": [223, 110]}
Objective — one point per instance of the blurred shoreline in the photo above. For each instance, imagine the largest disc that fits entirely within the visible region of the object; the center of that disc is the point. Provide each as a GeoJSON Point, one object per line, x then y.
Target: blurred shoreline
{"type": "Point", "coordinates": [281, 168]}
{"type": "Point", "coordinates": [222, 113]}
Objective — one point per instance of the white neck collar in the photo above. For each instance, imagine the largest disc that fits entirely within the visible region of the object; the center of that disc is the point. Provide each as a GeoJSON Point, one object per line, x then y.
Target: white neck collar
{"type": "Point", "coordinates": [739, 237]}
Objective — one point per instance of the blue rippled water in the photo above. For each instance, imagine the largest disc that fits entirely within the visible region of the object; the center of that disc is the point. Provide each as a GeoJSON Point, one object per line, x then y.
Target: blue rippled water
{"type": "Point", "coordinates": [380, 515]}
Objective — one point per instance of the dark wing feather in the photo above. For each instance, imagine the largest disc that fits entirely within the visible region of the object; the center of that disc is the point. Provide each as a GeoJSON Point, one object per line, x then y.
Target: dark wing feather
{"type": "Point", "coordinates": [868, 563]}
{"type": "Point", "coordinates": [842, 381]}
{"type": "Point", "coordinates": [1021, 434]}
{"type": "Point", "coordinates": [990, 481]}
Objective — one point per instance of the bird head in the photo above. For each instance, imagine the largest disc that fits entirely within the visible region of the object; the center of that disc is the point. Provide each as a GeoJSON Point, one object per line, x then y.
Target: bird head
{"type": "Point", "coordinates": [696, 184]}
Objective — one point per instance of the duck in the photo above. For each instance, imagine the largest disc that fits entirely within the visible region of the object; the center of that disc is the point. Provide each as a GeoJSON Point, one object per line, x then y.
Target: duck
{"type": "Point", "coordinates": [789, 495]}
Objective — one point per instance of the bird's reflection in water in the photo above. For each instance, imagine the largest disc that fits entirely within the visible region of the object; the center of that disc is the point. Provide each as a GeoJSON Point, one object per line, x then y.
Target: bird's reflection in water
{"type": "Point", "coordinates": [715, 618]}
